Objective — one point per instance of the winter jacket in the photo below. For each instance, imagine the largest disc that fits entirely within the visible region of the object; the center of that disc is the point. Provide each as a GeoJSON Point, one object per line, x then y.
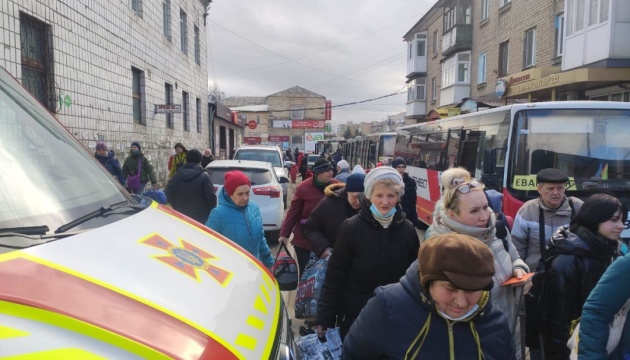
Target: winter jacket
{"type": "Point", "coordinates": [112, 165]}
{"type": "Point", "coordinates": [205, 160]}
{"type": "Point", "coordinates": [307, 196]}
{"type": "Point", "coordinates": [402, 318]}
{"type": "Point", "coordinates": [365, 256]}
{"type": "Point", "coordinates": [130, 167]}
{"type": "Point", "coordinates": [604, 302]}
{"type": "Point", "coordinates": [241, 224]}
{"type": "Point", "coordinates": [178, 161]}
{"type": "Point", "coordinates": [343, 175]}
{"type": "Point", "coordinates": [505, 262]}
{"type": "Point", "coordinates": [526, 228]}
{"type": "Point", "coordinates": [409, 198]}
{"type": "Point", "coordinates": [337, 156]}
{"type": "Point", "coordinates": [191, 192]}
{"type": "Point", "coordinates": [322, 228]}
{"type": "Point", "coordinates": [578, 261]}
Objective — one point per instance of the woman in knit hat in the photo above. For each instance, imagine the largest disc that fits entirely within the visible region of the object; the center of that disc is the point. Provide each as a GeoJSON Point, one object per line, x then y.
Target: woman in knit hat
{"type": "Point", "coordinates": [440, 309]}
{"type": "Point", "coordinates": [107, 158]}
{"type": "Point", "coordinates": [374, 248]}
{"type": "Point", "coordinates": [464, 210]}
{"type": "Point", "coordinates": [179, 159]}
{"type": "Point", "coordinates": [145, 170]}
{"type": "Point", "coordinates": [239, 219]}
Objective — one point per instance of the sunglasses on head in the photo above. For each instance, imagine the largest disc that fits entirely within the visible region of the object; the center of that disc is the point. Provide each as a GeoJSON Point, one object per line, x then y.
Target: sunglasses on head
{"type": "Point", "coordinates": [465, 188]}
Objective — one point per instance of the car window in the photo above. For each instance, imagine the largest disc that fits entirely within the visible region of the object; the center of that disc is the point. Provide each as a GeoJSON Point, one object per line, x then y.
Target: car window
{"type": "Point", "coordinates": [271, 156]}
{"type": "Point", "coordinates": [256, 176]}
{"type": "Point", "coordinates": [313, 158]}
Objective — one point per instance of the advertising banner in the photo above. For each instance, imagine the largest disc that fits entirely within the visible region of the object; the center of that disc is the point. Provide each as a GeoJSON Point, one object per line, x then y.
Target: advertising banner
{"type": "Point", "coordinates": [298, 124]}
{"type": "Point", "coordinates": [310, 139]}
{"type": "Point", "coordinates": [328, 110]}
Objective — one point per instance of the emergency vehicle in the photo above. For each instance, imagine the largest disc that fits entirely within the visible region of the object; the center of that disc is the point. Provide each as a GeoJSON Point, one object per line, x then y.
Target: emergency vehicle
{"type": "Point", "coordinates": [88, 271]}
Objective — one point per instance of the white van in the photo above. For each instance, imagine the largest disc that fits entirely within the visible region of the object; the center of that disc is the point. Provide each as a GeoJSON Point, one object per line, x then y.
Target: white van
{"type": "Point", "coordinates": [88, 271]}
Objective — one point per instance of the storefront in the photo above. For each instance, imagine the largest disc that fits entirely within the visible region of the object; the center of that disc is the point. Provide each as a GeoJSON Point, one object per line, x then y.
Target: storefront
{"type": "Point", "coordinates": [228, 131]}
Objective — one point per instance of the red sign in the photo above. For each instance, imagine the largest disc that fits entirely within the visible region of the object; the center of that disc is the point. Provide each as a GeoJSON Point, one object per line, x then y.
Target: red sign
{"type": "Point", "coordinates": [252, 140]}
{"type": "Point", "coordinates": [278, 138]}
{"type": "Point", "coordinates": [252, 124]}
{"type": "Point", "coordinates": [308, 124]}
{"type": "Point", "coordinates": [328, 110]}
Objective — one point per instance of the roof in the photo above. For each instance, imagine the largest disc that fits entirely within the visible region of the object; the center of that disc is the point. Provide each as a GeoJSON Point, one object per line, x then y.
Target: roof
{"type": "Point", "coordinates": [420, 25]}
{"type": "Point", "coordinates": [296, 91]}
{"type": "Point", "coordinates": [239, 101]}
{"type": "Point", "coordinates": [252, 108]}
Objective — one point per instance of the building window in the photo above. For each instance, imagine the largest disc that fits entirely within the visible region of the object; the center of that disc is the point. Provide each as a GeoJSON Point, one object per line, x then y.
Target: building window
{"type": "Point", "coordinates": [137, 93]}
{"type": "Point", "coordinates": [168, 97]}
{"type": "Point", "coordinates": [603, 12]}
{"type": "Point", "coordinates": [421, 44]}
{"type": "Point", "coordinates": [434, 88]}
{"type": "Point", "coordinates": [529, 48]}
{"type": "Point", "coordinates": [484, 10]}
{"type": "Point", "coordinates": [504, 2]}
{"type": "Point", "coordinates": [257, 119]}
{"type": "Point", "coordinates": [198, 111]}
{"type": "Point", "coordinates": [481, 71]}
{"type": "Point", "coordinates": [449, 19]}
{"type": "Point", "coordinates": [466, 15]}
{"type": "Point", "coordinates": [559, 34]}
{"type": "Point", "coordinates": [579, 15]}
{"type": "Point", "coordinates": [456, 70]}
{"type": "Point", "coordinates": [166, 18]}
{"type": "Point", "coordinates": [297, 113]}
{"type": "Point", "coordinates": [37, 60]}
{"type": "Point", "coordinates": [435, 42]}
{"type": "Point", "coordinates": [183, 28]}
{"type": "Point", "coordinates": [410, 50]}
{"type": "Point", "coordinates": [136, 6]}
{"type": "Point", "coordinates": [197, 46]}
{"type": "Point", "coordinates": [185, 111]}
{"type": "Point", "coordinates": [421, 89]}
{"type": "Point", "coordinates": [463, 68]}
{"type": "Point", "coordinates": [503, 58]}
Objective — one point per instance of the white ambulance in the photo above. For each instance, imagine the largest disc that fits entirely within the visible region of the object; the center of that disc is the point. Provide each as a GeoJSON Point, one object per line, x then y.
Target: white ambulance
{"type": "Point", "coordinates": [88, 271]}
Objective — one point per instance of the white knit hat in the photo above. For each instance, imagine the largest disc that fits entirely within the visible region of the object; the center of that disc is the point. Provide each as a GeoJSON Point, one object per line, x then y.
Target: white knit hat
{"type": "Point", "coordinates": [343, 164]}
{"type": "Point", "coordinates": [380, 173]}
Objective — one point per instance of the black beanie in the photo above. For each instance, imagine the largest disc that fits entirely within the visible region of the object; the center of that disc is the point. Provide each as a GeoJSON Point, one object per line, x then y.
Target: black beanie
{"type": "Point", "coordinates": [193, 156]}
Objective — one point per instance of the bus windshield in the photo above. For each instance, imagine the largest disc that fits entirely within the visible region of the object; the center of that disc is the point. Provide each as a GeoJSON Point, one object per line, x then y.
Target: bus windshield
{"type": "Point", "coordinates": [590, 146]}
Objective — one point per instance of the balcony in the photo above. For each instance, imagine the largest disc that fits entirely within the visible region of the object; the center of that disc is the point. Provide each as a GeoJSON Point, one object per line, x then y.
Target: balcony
{"type": "Point", "coordinates": [417, 65]}
{"type": "Point", "coordinates": [416, 109]}
{"type": "Point", "coordinates": [458, 38]}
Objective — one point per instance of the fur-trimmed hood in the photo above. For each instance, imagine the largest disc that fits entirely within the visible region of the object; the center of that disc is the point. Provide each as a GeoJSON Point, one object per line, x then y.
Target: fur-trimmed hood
{"type": "Point", "coordinates": [334, 189]}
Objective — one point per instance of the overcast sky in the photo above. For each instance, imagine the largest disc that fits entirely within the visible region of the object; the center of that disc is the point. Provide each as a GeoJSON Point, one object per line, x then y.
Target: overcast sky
{"type": "Point", "coordinates": [345, 50]}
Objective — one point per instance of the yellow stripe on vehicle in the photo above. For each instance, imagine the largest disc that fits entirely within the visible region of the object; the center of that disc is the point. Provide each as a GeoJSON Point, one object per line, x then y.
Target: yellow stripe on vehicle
{"type": "Point", "coordinates": [10, 333]}
{"type": "Point", "coordinates": [57, 354]}
{"type": "Point", "coordinates": [80, 327]}
{"type": "Point", "coordinates": [246, 341]}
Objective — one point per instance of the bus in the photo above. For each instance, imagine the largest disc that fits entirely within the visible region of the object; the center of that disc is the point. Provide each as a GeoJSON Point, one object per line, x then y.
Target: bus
{"type": "Point", "coordinates": [505, 147]}
{"type": "Point", "coordinates": [329, 146]}
{"type": "Point", "coordinates": [368, 150]}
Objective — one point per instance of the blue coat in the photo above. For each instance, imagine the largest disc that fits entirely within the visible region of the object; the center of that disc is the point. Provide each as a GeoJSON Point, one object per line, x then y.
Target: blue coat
{"type": "Point", "coordinates": [241, 224]}
{"type": "Point", "coordinates": [112, 165]}
{"type": "Point", "coordinates": [401, 318]}
{"type": "Point", "coordinates": [604, 301]}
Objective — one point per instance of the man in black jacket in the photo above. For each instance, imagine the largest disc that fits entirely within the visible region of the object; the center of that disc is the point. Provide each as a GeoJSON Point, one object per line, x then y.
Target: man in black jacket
{"type": "Point", "coordinates": [409, 198]}
{"type": "Point", "coordinates": [191, 191]}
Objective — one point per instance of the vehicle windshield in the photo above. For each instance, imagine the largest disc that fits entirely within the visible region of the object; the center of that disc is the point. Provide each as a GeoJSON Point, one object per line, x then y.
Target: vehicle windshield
{"type": "Point", "coordinates": [590, 146]}
{"type": "Point", "coordinates": [48, 179]}
{"type": "Point", "coordinates": [271, 156]}
{"type": "Point", "coordinates": [256, 176]}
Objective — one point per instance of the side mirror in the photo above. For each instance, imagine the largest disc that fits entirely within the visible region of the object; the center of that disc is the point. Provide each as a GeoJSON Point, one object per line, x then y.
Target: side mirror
{"type": "Point", "coordinates": [283, 180]}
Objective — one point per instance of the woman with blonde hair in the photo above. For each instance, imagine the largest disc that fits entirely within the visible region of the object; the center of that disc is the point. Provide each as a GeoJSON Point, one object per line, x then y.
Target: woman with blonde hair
{"type": "Point", "coordinates": [464, 209]}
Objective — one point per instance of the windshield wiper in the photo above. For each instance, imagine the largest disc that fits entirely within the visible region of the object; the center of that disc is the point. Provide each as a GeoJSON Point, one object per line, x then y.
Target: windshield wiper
{"type": "Point", "coordinates": [27, 230]}
{"type": "Point", "coordinates": [14, 241]}
{"type": "Point", "coordinates": [97, 213]}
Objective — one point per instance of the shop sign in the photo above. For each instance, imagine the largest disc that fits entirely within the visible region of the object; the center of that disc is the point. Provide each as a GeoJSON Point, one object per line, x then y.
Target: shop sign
{"type": "Point", "coordinates": [252, 124]}
{"type": "Point", "coordinates": [278, 138]}
{"type": "Point", "coordinates": [534, 85]}
{"type": "Point", "coordinates": [298, 124]}
{"type": "Point", "coordinates": [254, 140]}
{"type": "Point", "coordinates": [501, 87]}
{"type": "Point", "coordinates": [168, 108]}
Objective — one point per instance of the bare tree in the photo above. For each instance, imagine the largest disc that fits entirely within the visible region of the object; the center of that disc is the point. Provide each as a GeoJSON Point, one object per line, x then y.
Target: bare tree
{"type": "Point", "coordinates": [214, 92]}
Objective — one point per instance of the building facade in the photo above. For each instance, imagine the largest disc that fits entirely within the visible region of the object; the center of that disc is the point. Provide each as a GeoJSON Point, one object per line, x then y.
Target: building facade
{"type": "Point", "coordinates": [534, 50]}
{"type": "Point", "coordinates": [255, 112]}
{"type": "Point", "coordinates": [117, 72]}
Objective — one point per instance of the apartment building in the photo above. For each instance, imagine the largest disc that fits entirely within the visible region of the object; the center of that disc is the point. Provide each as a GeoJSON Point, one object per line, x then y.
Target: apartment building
{"type": "Point", "coordinates": [517, 51]}
{"type": "Point", "coordinates": [115, 71]}
{"type": "Point", "coordinates": [255, 112]}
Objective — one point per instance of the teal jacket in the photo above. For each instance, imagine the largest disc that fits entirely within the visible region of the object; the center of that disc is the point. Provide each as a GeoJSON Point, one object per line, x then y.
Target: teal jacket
{"type": "Point", "coordinates": [604, 301]}
{"type": "Point", "coordinates": [241, 224]}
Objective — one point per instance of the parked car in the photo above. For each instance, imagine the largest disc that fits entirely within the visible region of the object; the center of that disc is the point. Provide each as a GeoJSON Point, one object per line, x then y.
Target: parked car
{"type": "Point", "coordinates": [266, 190]}
{"type": "Point", "coordinates": [90, 271]}
{"type": "Point", "coordinates": [311, 160]}
{"type": "Point", "coordinates": [272, 154]}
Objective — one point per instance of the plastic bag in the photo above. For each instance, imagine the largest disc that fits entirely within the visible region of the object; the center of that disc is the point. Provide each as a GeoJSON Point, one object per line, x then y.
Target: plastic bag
{"type": "Point", "coordinates": [311, 348]}
{"type": "Point", "coordinates": [310, 287]}
{"type": "Point", "coordinates": [157, 195]}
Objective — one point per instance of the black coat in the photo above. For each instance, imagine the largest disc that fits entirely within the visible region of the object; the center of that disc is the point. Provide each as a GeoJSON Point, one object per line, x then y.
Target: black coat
{"type": "Point", "coordinates": [391, 323]}
{"type": "Point", "coordinates": [324, 222]}
{"type": "Point", "coordinates": [578, 261]}
{"type": "Point", "coordinates": [365, 256]}
{"type": "Point", "coordinates": [191, 192]}
{"type": "Point", "coordinates": [409, 198]}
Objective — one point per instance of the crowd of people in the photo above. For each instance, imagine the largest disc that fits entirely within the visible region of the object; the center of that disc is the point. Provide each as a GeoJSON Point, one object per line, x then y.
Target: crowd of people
{"type": "Point", "coordinates": [395, 295]}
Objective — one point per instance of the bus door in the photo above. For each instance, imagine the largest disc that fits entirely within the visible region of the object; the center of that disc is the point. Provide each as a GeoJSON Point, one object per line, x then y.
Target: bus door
{"type": "Point", "coordinates": [373, 154]}
{"type": "Point", "coordinates": [453, 146]}
{"type": "Point", "coordinates": [469, 151]}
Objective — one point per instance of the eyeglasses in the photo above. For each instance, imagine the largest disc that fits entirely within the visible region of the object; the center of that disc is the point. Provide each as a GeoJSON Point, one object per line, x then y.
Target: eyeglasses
{"type": "Point", "coordinates": [467, 187]}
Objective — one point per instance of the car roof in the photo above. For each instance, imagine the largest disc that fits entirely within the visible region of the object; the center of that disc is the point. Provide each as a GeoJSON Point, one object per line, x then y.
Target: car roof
{"type": "Point", "coordinates": [261, 147]}
{"type": "Point", "coordinates": [241, 164]}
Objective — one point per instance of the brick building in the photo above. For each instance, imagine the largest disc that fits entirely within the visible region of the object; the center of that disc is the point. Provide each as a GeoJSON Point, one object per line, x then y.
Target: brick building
{"type": "Point", "coordinates": [497, 52]}
{"type": "Point", "coordinates": [102, 67]}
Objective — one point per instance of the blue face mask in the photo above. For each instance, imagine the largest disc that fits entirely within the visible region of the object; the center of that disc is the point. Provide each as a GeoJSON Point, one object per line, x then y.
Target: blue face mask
{"type": "Point", "coordinates": [376, 213]}
{"type": "Point", "coordinates": [470, 312]}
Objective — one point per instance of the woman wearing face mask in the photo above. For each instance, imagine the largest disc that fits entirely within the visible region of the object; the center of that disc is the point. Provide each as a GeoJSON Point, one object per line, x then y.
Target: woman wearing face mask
{"type": "Point", "coordinates": [464, 210]}
{"type": "Point", "coordinates": [374, 248]}
{"type": "Point", "coordinates": [440, 309]}
{"type": "Point", "coordinates": [577, 256]}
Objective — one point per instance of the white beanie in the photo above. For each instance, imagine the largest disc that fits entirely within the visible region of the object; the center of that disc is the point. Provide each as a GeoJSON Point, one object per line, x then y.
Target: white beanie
{"type": "Point", "coordinates": [380, 173]}
{"type": "Point", "coordinates": [343, 164]}
{"type": "Point", "coordinates": [358, 169]}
